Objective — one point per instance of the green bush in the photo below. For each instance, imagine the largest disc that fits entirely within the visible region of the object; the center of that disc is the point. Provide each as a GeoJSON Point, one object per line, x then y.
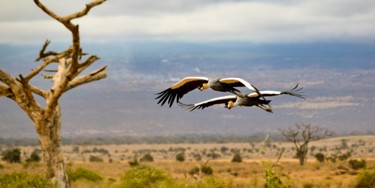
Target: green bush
{"type": "Point", "coordinates": [134, 162]}
{"type": "Point", "coordinates": [356, 164]}
{"type": "Point", "coordinates": [34, 157]}
{"type": "Point", "coordinates": [144, 176]}
{"type": "Point", "coordinates": [206, 170]}
{"type": "Point", "coordinates": [20, 180]}
{"type": "Point", "coordinates": [272, 180]}
{"type": "Point", "coordinates": [180, 157]}
{"type": "Point", "coordinates": [95, 159]}
{"type": "Point", "coordinates": [147, 158]}
{"type": "Point", "coordinates": [345, 156]}
{"type": "Point", "coordinates": [83, 174]}
{"type": "Point", "coordinates": [320, 157]}
{"type": "Point", "coordinates": [366, 179]}
{"type": "Point", "coordinates": [12, 155]}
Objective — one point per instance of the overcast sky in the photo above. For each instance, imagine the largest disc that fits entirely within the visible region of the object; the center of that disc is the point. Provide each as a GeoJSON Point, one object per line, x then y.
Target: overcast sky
{"type": "Point", "coordinates": [258, 21]}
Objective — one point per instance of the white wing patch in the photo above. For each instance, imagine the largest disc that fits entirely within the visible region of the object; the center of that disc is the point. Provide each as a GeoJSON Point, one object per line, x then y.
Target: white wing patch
{"type": "Point", "coordinates": [237, 80]}
{"type": "Point", "coordinates": [228, 97]}
{"type": "Point", "coordinates": [266, 92]}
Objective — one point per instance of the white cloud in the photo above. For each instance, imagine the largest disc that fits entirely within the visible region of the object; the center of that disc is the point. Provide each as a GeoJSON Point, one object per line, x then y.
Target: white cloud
{"type": "Point", "coordinates": [209, 20]}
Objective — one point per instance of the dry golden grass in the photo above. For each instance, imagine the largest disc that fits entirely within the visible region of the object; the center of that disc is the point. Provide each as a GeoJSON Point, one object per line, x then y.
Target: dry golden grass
{"type": "Point", "coordinates": [249, 173]}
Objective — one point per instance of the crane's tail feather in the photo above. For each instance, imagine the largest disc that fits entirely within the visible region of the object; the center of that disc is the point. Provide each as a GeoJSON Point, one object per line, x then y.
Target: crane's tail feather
{"type": "Point", "coordinates": [295, 91]}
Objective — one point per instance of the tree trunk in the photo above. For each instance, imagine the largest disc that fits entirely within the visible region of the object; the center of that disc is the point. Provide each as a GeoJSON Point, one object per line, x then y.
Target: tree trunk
{"type": "Point", "coordinates": [301, 160]}
{"type": "Point", "coordinates": [301, 154]}
{"type": "Point", "coordinates": [49, 137]}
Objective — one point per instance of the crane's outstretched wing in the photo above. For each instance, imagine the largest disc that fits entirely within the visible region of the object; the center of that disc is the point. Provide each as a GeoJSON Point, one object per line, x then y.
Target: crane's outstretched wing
{"type": "Point", "coordinates": [210, 102]}
{"type": "Point", "coordinates": [238, 82]}
{"type": "Point", "coordinates": [296, 91]}
{"type": "Point", "coordinates": [179, 89]}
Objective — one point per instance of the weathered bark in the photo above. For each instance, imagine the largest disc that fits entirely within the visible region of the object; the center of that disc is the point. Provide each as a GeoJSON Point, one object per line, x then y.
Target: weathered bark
{"type": "Point", "coordinates": [48, 129]}
{"type": "Point", "coordinates": [47, 119]}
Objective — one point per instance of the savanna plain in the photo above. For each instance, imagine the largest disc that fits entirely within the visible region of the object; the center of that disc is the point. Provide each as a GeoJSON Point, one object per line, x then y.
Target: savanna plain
{"type": "Point", "coordinates": [331, 162]}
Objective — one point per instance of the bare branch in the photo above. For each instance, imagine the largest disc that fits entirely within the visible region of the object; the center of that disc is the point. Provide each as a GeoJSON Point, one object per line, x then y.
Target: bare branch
{"type": "Point", "coordinates": [5, 91]}
{"type": "Point", "coordinates": [47, 70]}
{"type": "Point", "coordinates": [43, 54]}
{"type": "Point", "coordinates": [28, 93]}
{"type": "Point", "coordinates": [93, 76]}
{"type": "Point", "coordinates": [85, 10]}
{"type": "Point", "coordinates": [87, 63]}
{"type": "Point", "coordinates": [38, 91]}
{"type": "Point", "coordinates": [7, 79]}
{"type": "Point", "coordinates": [47, 11]}
{"type": "Point", "coordinates": [47, 61]}
{"type": "Point", "coordinates": [47, 76]}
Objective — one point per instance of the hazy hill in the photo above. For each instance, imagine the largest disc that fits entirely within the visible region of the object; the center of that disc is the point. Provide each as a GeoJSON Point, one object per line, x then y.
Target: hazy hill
{"type": "Point", "coordinates": [337, 78]}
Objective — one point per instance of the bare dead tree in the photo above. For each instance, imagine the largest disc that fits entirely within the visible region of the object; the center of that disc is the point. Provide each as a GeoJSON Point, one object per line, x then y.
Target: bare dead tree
{"type": "Point", "coordinates": [47, 118]}
{"type": "Point", "coordinates": [301, 135]}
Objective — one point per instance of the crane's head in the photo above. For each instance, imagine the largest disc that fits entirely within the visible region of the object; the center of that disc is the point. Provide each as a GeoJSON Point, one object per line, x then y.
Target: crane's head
{"type": "Point", "coordinates": [230, 105]}
{"type": "Point", "coordinates": [203, 86]}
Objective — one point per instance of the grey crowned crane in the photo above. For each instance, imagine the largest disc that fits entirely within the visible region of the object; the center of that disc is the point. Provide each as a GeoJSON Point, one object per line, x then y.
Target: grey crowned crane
{"type": "Point", "coordinates": [252, 99]}
{"type": "Point", "coordinates": [179, 89]}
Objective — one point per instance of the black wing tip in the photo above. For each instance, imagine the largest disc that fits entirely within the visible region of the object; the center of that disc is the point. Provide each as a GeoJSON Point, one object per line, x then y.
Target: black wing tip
{"type": "Point", "coordinates": [166, 96]}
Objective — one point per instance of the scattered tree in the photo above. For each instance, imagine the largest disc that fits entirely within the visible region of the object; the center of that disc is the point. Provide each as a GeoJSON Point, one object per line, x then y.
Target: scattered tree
{"type": "Point", "coordinates": [12, 155]}
{"type": "Point", "coordinates": [301, 135]}
{"type": "Point", "coordinates": [47, 118]}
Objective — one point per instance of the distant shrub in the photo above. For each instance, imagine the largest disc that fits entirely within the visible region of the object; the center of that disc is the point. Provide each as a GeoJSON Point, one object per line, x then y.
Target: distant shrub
{"type": "Point", "coordinates": [197, 156]}
{"type": "Point", "coordinates": [75, 149]}
{"type": "Point", "coordinates": [12, 155]}
{"type": "Point", "coordinates": [320, 157]}
{"type": "Point", "coordinates": [147, 158]}
{"type": "Point", "coordinates": [20, 180]}
{"type": "Point", "coordinates": [83, 174]}
{"type": "Point", "coordinates": [206, 170]}
{"type": "Point", "coordinates": [366, 179]}
{"type": "Point", "coordinates": [224, 149]}
{"type": "Point", "coordinates": [144, 176]}
{"type": "Point", "coordinates": [344, 156]}
{"type": "Point", "coordinates": [180, 157]}
{"type": "Point", "coordinates": [100, 150]}
{"type": "Point", "coordinates": [237, 158]}
{"type": "Point", "coordinates": [213, 155]}
{"type": "Point", "coordinates": [34, 157]}
{"type": "Point", "coordinates": [134, 162]}
{"type": "Point", "coordinates": [1, 166]}
{"type": "Point", "coordinates": [95, 159]}
{"type": "Point", "coordinates": [356, 164]}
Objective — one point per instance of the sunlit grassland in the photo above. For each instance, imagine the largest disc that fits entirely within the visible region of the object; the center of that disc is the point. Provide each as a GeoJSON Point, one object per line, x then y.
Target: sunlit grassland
{"type": "Point", "coordinates": [248, 173]}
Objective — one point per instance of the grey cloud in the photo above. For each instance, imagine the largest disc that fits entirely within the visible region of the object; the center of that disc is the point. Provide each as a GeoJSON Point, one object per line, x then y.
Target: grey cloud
{"type": "Point", "coordinates": [208, 20]}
